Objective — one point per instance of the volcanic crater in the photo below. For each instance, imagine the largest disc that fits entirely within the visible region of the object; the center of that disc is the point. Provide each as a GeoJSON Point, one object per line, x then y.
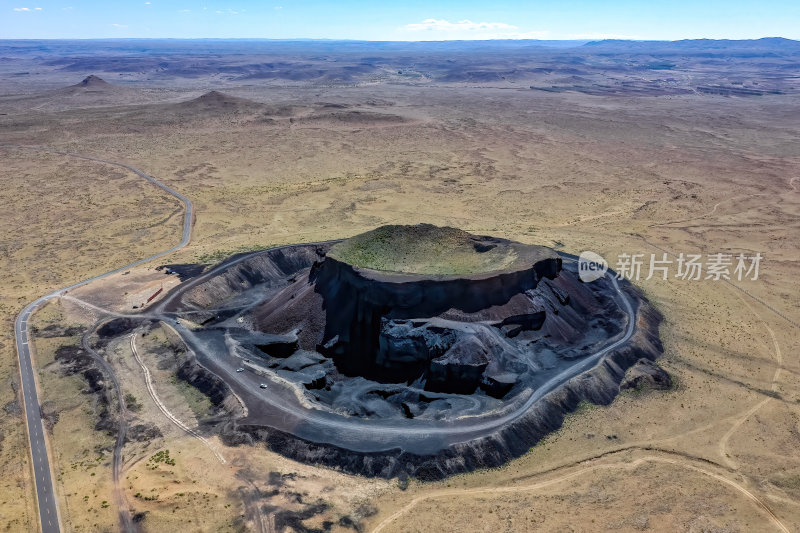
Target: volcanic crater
{"type": "Point", "coordinates": [414, 350]}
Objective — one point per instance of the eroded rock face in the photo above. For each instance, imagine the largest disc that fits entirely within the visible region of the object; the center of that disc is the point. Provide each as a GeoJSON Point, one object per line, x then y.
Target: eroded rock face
{"type": "Point", "coordinates": [448, 333]}
{"type": "Point", "coordinates": [451, 356]}
{"type": "Point", "coordinates": [382, 373]}
{"type": "Point", "coordinates": [367, 328]}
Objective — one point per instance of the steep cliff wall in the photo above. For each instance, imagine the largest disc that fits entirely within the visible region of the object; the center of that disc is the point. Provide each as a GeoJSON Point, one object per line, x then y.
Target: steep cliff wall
{"type": "Point", "coordinates": [600, 385]}
{"type": "Point", "coordinates": [356, 300]}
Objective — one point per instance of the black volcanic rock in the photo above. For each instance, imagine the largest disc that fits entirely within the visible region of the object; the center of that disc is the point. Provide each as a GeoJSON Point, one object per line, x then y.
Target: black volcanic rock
{"type": "Point", "coordinates": [202, 379]}
{"type": "Point", "coordinates": [300, 360]}
{"type": "Point", "coordinates": [451, 356]}
{"type": "Point", "coordinates": [279, 346]}
{"type": "Point", "coordinates": [218, 101]}
{"type": "Point", "coordinates": [117, 327]}
{"type": "Point", "coordinates": [598, 385]}
{"type": "Point", "coordinates": [646, 374]}
{"type": "Point", "coordinates": [466, 370]}
{"type": "Point", "coordinates": [451, 333]}
{"type": "Point", "coordinates": [357, 299]}
{"type": "Point", "coordinates": [478, 332]}
{"type": "Point", "coordinates": [93, 82]}
{"type": "Point", "coordinates": [497, 382]}
{"type": "Point", "coordinates": [405, 350]}
{"type": "Point", "coordinates": [460, 369]}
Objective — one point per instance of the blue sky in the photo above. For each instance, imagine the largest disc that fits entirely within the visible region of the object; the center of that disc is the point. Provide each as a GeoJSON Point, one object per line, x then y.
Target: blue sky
{"type": "Point", "coordinates": [408, 20]}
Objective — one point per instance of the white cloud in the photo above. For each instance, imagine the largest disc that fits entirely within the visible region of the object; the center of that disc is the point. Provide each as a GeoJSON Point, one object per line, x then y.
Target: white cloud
{"type": "Point", "coordinates": [440, 29]}
{"type": "Point", "coordinates": [22, 9]}
{"type": "Point", "coordinates": [26, 9]}
{"type": "Point", "coordinates": [446, 25]}
{"type": "Point", "coordinates": [120, 25]}
{"type": "Point", "coordinates": [147, 3]}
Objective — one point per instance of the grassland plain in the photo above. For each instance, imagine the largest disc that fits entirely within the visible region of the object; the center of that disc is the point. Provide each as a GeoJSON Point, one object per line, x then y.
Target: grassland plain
{"type": "Point", "coordinates": [692, 174]}
{"type": "Point", "coordinates": [63, 220]}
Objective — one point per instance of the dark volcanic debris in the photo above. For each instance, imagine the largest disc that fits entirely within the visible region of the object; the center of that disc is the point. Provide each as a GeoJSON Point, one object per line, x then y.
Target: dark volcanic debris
{"type": "Point", "coordinates": [494, 339]}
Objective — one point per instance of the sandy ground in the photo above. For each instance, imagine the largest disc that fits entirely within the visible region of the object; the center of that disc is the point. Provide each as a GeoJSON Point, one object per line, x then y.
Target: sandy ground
{"type": "Point", "coordinates": [691, 174]}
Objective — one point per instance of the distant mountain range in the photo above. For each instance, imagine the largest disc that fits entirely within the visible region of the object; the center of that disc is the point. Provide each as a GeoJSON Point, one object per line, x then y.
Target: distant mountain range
{"type": "Point", "coordinates": [777, 44]}
{"type": "Point", "coordinates": [729, 68]}
{"type": "Point", "coordinates": [138, 47]}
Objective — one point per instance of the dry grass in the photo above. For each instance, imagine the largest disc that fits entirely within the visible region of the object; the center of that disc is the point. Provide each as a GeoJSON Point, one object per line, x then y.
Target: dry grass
{"type": "Point", "coordinates": [687, 174]}
{"type": "Point", "coordinates": [63, 221]}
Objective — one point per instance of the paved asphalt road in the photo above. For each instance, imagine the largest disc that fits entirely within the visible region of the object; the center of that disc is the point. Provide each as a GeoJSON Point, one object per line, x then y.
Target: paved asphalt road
{"type": "Point", "coordinates": [45, 493]}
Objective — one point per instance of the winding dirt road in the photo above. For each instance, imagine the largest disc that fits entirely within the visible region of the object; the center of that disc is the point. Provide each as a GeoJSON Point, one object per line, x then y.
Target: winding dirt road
{"type": "Point", "coordinates": [623, 465]}
{"type": "Point", "coordinates": [163, 408]}
{"type": "Point", "coordinates": [46, 501]}
{"type": "Point", "coordinates": [123, 509]}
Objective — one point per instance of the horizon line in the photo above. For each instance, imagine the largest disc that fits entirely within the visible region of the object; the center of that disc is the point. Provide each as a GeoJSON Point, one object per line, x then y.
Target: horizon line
{"type": "Point", "coordinates": [334, 39]}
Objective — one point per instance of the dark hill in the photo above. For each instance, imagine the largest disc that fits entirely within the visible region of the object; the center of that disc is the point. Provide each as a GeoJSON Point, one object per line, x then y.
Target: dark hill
{"type": "Point", "coordinates": [93, 90]}
{"type": "Point", "coordinates": [215, 100]}
{"type": "Point", "coordinates": [92, 82]}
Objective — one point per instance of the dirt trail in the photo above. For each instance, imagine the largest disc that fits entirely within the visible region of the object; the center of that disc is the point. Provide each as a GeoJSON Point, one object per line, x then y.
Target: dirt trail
{"type": "Point", "coordinates": [723, 443]}
{"type": "Point", "coordinates": [121, 502]}
{"type": "Point", "coordinates": [584, 218]}
{"type": "Point", "coordinates": [625, 465]}
{"type": "Point", "coordinates": [152, 392]}
{"type": "Point", "coordinates": [738, 421]}
{"type": "Point", "coordinates": [713, 209]}
{"type": "Point", "coordinates": [102, 312]}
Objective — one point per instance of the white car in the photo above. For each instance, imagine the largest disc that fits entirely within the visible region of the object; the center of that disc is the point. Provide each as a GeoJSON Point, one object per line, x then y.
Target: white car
{"type": "Point", "coordinates": [240, 369]}
{"type": "Point", "coordinates": [263, 385]}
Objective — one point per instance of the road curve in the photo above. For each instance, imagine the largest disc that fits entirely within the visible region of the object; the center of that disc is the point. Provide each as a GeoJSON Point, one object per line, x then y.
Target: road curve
{"type": "Point", "coordinates": [48, 510]}
{"type": "Point", "coordinates": [42, 477]}
{"type": "Point", "coordinates": [628, 465]}
{"type": "Point", "coordinates": [279, 408]}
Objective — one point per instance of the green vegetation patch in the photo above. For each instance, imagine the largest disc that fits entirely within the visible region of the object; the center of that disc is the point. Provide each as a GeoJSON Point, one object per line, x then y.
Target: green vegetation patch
{"type": "Point", "coordinates": [160, 457]}
{"type": "Point", "coordinates": [424, 249]}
